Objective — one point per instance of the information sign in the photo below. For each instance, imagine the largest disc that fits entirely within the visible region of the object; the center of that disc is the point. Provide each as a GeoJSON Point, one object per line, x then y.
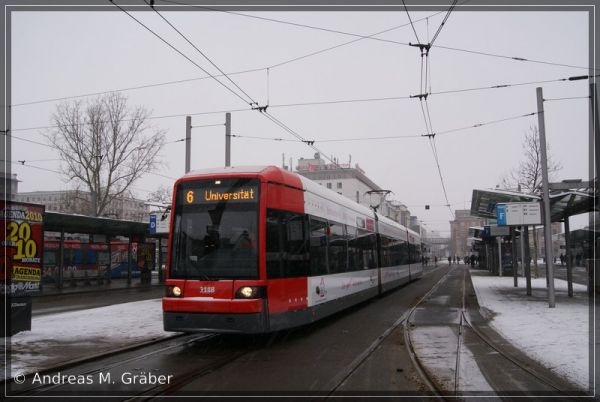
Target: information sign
{"type": "Point", "coordinates": [495, 231]}
{"type": "Point", "coordinates": [501, 214]}
{"type": "Point", "coordinates": [518, 213]}
{"type": "Point", "coordinates": [159, 224]}
{"type": "Point", "coordinates": [152, 226]}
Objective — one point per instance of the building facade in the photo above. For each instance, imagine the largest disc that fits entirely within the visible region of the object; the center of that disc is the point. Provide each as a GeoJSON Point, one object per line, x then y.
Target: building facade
{"type": "Point", "coordinates": [352, 183]}
{"type": "Point", "coordinates": [9, 186]}
{"type": "Point", "coordinates": [78, 202]}
{"type": "Point", "coordinates": [459, 232]}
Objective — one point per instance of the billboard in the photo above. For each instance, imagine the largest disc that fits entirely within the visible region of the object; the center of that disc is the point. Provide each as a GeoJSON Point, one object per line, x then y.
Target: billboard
{"type": "Point", "coordinates": [22, 247]}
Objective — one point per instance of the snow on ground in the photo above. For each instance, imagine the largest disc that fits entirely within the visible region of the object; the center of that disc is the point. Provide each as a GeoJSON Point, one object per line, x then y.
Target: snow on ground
{"type": "Point", "coordinates": [56, 339]}
{"type": "Point", "coordinates": [559, 337]}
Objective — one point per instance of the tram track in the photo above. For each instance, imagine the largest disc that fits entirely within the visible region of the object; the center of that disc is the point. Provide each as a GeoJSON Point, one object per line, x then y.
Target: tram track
{"type": "Point", "coordinates": [401, 322]}
{"type": "Point", "coordinates": [213, 352]}
{"type": "Point", "coordinates": [464, 328]}
{"type": "Point", "coordinates": [184, 379]}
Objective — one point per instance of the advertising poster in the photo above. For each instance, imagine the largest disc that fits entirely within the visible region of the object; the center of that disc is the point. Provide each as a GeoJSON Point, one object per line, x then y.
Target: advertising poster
{"type": "Point", "coordinates": [22, 248]}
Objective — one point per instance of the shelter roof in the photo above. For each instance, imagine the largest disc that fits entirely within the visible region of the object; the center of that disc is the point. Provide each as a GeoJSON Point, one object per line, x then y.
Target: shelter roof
{"type": "Point", "coordinates": [562, 204]}
{"type": "Point", "coordinates": [71, 223]}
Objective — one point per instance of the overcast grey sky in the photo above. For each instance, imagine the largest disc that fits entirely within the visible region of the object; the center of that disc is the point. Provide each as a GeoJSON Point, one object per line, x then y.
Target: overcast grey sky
{"type": "Point", "coordinates": [64, 53]}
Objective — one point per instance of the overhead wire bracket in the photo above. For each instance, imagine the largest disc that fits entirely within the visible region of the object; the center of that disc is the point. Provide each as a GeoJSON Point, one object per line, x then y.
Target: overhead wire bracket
{"type": "Point", "coordinates": [261, 109]}
{"type": "Point", "coordinates": [420, 96]}
{"type": "Point", "coordinates": [423, 47]}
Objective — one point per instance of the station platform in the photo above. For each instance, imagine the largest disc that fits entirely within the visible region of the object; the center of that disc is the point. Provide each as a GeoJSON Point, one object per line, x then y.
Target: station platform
{"type": "Point", "coordinates": [73, 326]}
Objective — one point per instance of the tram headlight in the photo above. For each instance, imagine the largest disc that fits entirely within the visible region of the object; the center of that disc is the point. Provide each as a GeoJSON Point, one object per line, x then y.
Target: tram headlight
{"type": "Point", "coordinates": [249, 292]}
{"type": "Point", "coordinates": [173, 291]}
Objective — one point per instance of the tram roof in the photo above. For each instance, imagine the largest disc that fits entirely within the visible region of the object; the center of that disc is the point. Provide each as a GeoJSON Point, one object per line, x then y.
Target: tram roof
{"type": "Point", "coordinates": [269, 172]}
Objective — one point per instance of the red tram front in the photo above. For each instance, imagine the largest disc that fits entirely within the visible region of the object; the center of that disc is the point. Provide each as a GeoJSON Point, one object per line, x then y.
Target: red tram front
{"type": "Point", "coordinates": [253, 250]}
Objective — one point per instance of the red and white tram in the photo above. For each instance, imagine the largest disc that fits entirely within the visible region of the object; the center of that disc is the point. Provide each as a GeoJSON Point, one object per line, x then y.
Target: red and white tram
{"type": "Point", "coordinates": [260, 249]}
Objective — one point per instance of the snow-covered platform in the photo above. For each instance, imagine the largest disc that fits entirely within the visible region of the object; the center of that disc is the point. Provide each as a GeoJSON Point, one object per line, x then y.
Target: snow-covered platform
{"type": "Point", "coordinates": [559, 338]}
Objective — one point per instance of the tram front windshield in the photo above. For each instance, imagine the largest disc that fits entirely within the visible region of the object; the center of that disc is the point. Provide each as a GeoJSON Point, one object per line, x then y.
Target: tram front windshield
{"type": "Point", "coordinates": [215, 230]}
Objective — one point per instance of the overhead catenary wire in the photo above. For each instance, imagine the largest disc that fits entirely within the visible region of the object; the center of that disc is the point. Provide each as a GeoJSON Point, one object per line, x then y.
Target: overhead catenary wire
{"type": "Point", "coordinates": [179, 51]}
{"type": "Point", "coordinates": [567, 98]}
{"type": "Point", "coordinates": [208, 125]}
{"type": "Point", "coordinates": [394, 137]}
{"type": "Point", "coordinates": [330, 102]}
{"type": "Point", "coordinates": [422, 96]}
{"type": "Point", "coordinates": [265, 138]}
{"type": "Point", "coordinates": [298, 136]}
{"type": "Point", "coordinates": [36, 167]}
{"type": "Point", "coordinates": [253, 104]}
{"type": "Point", "coordinates": [26, 164]}
{"type": "Point", "coordinates": [294, 59]}
{"type": "Point", "coordinates": [159, 84]}
{"type": "Point", "coordinates": [373, 37]}
{"type": "Point", "coordinates": [443, 22]}
{"type": "Point", "coordinates": [411, 22]}
{"type": "Point", "coordinates": [361, 37]}
{"type": "Point", "coordinates": [252, 101]}
{"type": "Point", "coordinates": [477, 125]}
{"type": "Point", "coordinates": [437, 162]}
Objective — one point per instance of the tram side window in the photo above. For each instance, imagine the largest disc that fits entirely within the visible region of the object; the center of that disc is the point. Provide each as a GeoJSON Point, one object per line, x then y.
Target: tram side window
{"type": "Point", "coordinates": [386, 251]}
{"type": "Point", "coordinates": [354, 254]}
{"type": "Point", "coordinates": [287, 253]}
{"type": "Point", "coordinates": [415, 253]}
{"type": "Point", "coordinates": [366, 244]}
{"type": "Point", "coordinates": [273, 246]}
{"type": "Point", "coordinates": [403, 253]}
{"type": "Point", "coordinates": [295, 249]}
{"type": "Point", "coordinates": [338, 248]}
{"type": "Point", "coordinates": [318, 247]}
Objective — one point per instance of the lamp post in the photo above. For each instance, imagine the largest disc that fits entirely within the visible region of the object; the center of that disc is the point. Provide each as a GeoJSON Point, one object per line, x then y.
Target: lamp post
{"type": "Point", "coordinates": [381, 194]}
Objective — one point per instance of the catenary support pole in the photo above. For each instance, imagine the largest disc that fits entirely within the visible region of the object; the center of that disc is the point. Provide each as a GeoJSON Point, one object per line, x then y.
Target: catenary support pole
{"type": "Point", "coordinates": [546, 199]}
{"type": "Point", "coordinates": [515, 264]}
{"type": "Point", "coordinates": [499, 240]}
{"type": "Point", "coordinates": [568, 257]}
{"type": "Point", "coordinates": [61, 259]}
{"type": "Point", "coordinates": [227, 139]}
{"type": "Point", "coordinates": [594, 132]}
{"type": "Point", "coordinates": [527, 262]}
{"type": "Point", "coordinates": [188, 142]}
{"type": "Point", "coordinates": [129, 259]}
{"type": "Point", "coordinates": [522, 238]}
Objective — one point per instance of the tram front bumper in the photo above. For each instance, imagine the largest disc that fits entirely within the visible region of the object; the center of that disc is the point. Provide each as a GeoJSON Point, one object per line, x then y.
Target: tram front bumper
{"type": "Point", "coordinates": [215, 322]}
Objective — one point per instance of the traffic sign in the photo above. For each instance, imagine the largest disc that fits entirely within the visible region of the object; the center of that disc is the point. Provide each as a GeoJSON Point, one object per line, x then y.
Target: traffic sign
{"type": "Point", "coordinates": [501, 214]}
{"type": "Point", "coordinates": [152, 228]}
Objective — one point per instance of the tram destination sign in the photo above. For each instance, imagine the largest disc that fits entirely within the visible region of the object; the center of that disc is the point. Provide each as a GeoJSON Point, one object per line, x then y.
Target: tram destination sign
{"type": "Point", "coordinates": [244, 194]}
{"type": "Point", "coordinates": [518, 214]}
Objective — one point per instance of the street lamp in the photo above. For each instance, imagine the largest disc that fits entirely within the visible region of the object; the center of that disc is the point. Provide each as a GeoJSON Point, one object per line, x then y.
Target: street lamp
{"type": "Point", "coordinates": [377, 197]}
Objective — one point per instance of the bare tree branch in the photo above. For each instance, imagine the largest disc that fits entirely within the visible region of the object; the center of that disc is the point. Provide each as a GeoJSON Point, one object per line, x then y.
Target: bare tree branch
{"type": "Point", "coordinates": [528, 175]}
{"type": "Point", "coordinates": [104, 146]}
